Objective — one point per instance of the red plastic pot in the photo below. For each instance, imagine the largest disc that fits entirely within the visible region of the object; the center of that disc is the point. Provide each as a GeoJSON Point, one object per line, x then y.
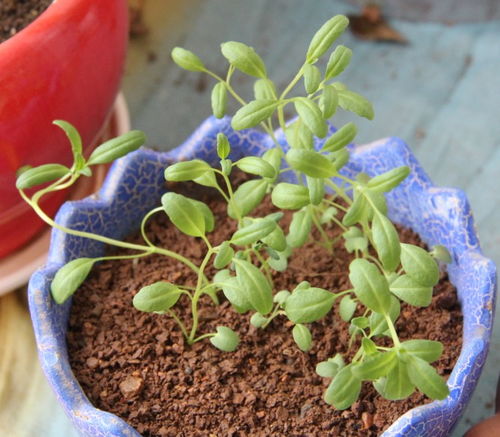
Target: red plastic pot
{"type": "Point", "coordinates": [67, 64]}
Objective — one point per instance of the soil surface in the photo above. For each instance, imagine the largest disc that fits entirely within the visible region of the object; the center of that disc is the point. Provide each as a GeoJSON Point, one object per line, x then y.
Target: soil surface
{"type": "Point", "coordinates": [137, 365]}
{"type": "Point", "coordinates": [15, 15]}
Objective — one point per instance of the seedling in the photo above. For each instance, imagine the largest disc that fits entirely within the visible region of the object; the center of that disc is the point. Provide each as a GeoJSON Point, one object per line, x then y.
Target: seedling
{"type": "Point", "coordinates": [383, 273]}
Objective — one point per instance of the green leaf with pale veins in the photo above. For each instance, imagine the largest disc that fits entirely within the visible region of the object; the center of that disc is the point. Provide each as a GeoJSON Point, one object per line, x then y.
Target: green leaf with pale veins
{"type": "Point", "coordinates": [427, 350]}
{"type": "Point", "coordinates": [386, 242]}
{"type": "Point", "coordinates": [253, 113]}
{"type": "Point", "coordinates": [325, 37]}
{"type": "Point", "coordinates": [225, 339]}
{"type": "Point", "coordinates": [353, 102]}
{"type": "Point", "coordinates": [302, 337]}
{"type": "Point", "coordinates": [255, 285]}
{"type": "Point", "coordinates": [248, 195]}
{"type": "Point", "coordinates": [244, 58]}
{"type": "Point", "coordinates": [370, 286]}
{"type": "Point", "coordinates": [307, 305]}
{"type": "Point", "coordinates": [300, 228]}
{"type": "Point", "coordinates": [410, 291]}
{"type": "Point", "coordinates": [425, 377]}
{"type": "Point", "coordinates": [69, 277]}
{"type": "Point", "coordinates": [157, 297]}
{"type": "Point", "coordinates": [344, 390]}
{"type": "Point", "coordinates": [375, 366]}
{"type": "Point", "coordinates": [419, 264]}
{"type": "Point", "coordinates": [311, 115]}
{"type": "Point", "coordinates": [311, 163]}
{"type": "Point", "coordinates": [185, 214]}
{"type": "Point", "coordinates": [344, 136]}
{"type": "Point", "coordinates": [290, 196]}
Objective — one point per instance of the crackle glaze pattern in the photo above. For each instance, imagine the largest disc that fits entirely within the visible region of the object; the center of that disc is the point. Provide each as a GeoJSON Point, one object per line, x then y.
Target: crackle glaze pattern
{"type": "Point", "coordinates": [135, 184]}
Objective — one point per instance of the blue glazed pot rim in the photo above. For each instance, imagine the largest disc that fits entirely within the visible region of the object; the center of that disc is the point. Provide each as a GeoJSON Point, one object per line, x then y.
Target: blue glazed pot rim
{"type": "Point", "coordinates": [439, 215]}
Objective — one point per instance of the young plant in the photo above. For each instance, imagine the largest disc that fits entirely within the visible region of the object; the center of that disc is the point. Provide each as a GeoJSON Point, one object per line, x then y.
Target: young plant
{"type": "Point", "coordinates": [383, 272]}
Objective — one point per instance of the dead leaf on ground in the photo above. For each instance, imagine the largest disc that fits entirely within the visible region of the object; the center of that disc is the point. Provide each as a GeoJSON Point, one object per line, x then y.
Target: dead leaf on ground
{"type": "Point", "coordinates": [372, 26]}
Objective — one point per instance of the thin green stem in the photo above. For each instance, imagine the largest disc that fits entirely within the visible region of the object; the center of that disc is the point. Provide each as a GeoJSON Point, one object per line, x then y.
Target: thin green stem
{"type": "Point", "coordinates": [174, 316]}
{"type": "Point", "coordinates": [196, 297]}
{"type": "Point", "coordinates": [143, 224]}
{"type": "Point", "coordinates": [106, 240]}
{"type": "Point", "coordinates": [392, 330]}
{"type": "Point", "coordinates": [276, 312]}
{"type": "Point", "coordinates": [202, 337]}
{"type": "Point", "coordinates": [322, 232]}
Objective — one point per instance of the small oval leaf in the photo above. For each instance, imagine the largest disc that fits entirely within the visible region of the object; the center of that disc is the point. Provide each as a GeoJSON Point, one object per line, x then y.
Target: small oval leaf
{"type": "Point", "coordinates": [290, 196]}
{"type": "Point", "coordinates": [307, 305]}
{"type": "Point", "coordinates": [419, 264]}
{"type": "Point", "coordinates": [253, 113]}
{"type": "Point", "coordinates": [302, 337]}
{"type": "Point", "coordinates": [311, 115]}
{"type": "Point", "coordinates": [339, 60]}
{"type": "Point", "coordinates": [184, 214]}
{"type": "Point", "coordinates": [257, 166]}
{"type": "Point", "coordinates": [69, 277]}
{"type": "Point", "coordinates": [225, 339]}
{"type": "Point", "coordinates": [244, 58]}
{"type": "Point", "coordinates": [325, 37]}
{"type": "Point", "coordinates": [159, 296]}
{"type": "Point", "coordinates": [311, 163]}
{"type": "Point", "coordinates": [187, 60]}
{"type": "Point", "coordinates": [219, 99]}
{"type": "Point", "coordinates": [39, 175]}
{"type": "Point", "coordinates": [344, 136]}
{"type": "Point", "coordinates": [117, 147]}
{"type": "Point", "coordinates": [186, 170]}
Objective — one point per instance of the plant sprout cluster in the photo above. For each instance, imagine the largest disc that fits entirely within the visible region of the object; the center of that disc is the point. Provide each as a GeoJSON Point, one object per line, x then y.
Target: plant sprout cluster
{"type": "Point", "coordinates": [383, 273]}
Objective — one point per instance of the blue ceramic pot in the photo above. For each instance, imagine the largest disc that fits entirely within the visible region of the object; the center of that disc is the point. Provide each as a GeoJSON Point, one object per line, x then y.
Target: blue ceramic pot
{"type": "Point", "coordinates": [135, 184]}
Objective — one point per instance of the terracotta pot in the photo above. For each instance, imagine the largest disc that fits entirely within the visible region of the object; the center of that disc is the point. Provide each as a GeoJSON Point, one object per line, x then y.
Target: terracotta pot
{"type": "Point", "coordinates": [66, 64]}
{"type": "Point", "coordinates": [135, 185]}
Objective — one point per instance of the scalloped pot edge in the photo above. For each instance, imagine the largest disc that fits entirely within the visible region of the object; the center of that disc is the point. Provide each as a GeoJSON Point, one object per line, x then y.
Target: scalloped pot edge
{"type": "Point", "coordinates": [135, 184]}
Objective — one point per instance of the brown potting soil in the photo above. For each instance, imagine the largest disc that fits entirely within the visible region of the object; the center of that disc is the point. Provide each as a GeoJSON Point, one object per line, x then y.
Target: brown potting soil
{"type": "Point", "coordinates": [15, 15]}
{"type": "Point", "coordinates": [136, 365]}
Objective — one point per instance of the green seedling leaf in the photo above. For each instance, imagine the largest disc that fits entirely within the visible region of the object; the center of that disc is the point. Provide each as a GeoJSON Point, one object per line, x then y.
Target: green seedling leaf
{"type": "Point", "coordinates": [418, 264]}
{"type": "Point", "coordinates": [369, 347]}
{"type": "Point", "coordinates": [248, 195]}
{"type": "Point", "coordinates": [281, 263]}
{"type": "Point", "coordinates": [356, 211]}
{"type": "Point", "coordinates": [290, 196]}
{"type": "Point", "coordinates": [223, 146]}
{"type": "Point", "coordinates": [328, 215]}
{"type": "Point", "coordinates": [344, 390]}
{"type": "Point", "coordinates": [224, 256]}
{"type": "Point", "coordinates": [117, 147]}
{"type": "Point", "coordinates": [360, 322]}
{"type": "Point", "coordinates": [299, 136]}
{"type": "Point", "coordinates": [244, 58]}
{"type": "Point", "coordinates": [233, 291]}
{"type": "Point", "coordinates": [427, 350]}
{"type": "Point", "coordinates": [253, 113]}
{"type": "Point", "coordinates": [347, 308]}
{"type": "Point", "coordinates": [75, 141]}
{"type": "Point", "coordinates": [185, 214]}
{"type": "Point", "coordinates": [69, 277]}
{"type": "Point", "coordinates": [281, 296]}
{"type": "Point", "coordinates": [255, 286]}
{"type": "Point", "coordinates": [302, 337]}
{"type": "Point", "coordinates": [186, 170]}
{"type": "Point", "coordinates": [312, 78]}
{"type": "Point", "coordinates": [386, 242]}
{"type": "Point", "coordinates": [207, 214]}
{"type": "Point", "coordinates": [353, 102]}
{"type": "Point", "coordinates": [397, 384]}
{"type": "Point", "coordinates": [276, 239]}
{"type": "Point", "coordinates": [344, 136]}
{"type": "Point", "coordinates": [273, 157]}
{"type": "Point", "coordinates": [311, 163]}
{"type": "Point", "coordinates": [300, 228]}
{"type": "Point", "coordinates": [316, 189]}
{"type": "Point", "coordinates": [303, 285]}
{"type": "Point", "coordinates": [258, 320]}
{"type": "Point", "coordinates": [370, 286]}
{"type": "Point", "coordinates": [187, 60]}
{"type": "Point", "coordinates": [325, 37]}
{"type": "Point", "coordinates": [327, 369]}
{"type": "Point", "coordinates": [275, 216]}
{"type": "Point", "coordinates": [378, 324]}
{"type": "Point", "coordinates": [226, 166]}
{"type": "Point", "coordinates": [225, 339]}
{"type": "Point", "coordinates": [376, 366]}
{"type": "Point", "coordinates": [253, 232]}
{"type": "Point", "coordinates": [341, 158]}
{"type": "Point", "coordinates": [389, 180]}
{"type": "Point", "coordinates": [257, 166]}
{"type": "Point", "coordinates": [410, 291]}
{"type": "Point", "coordinates": [311, 115]}
{"type": "Point", "coordinates": [157, 297]}
{"type": "Point", "coordinates": [355, 240]}
{"type": "Point", "coordinates": [264, 89]}
{"type": "Point", "coordinates": [328, 101]}
{"type": "Point", "coordinates": [41, 174]}
{"type": "Point", "coordinates": [307, 305]}
{"type": "Point", "coordinates": [425, 377]}
{"type": "Point", "coordinates": [441, 253]}
{"type": "Point", "coordinates": [339, 60]}
{"type": "Point", "coordinates": [219, 99]}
